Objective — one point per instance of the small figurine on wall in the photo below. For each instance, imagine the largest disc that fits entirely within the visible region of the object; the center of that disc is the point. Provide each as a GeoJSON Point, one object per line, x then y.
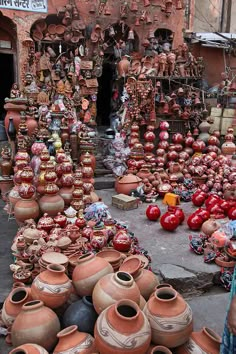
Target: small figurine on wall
{"type": "Point", "coordinates": [15, 92]}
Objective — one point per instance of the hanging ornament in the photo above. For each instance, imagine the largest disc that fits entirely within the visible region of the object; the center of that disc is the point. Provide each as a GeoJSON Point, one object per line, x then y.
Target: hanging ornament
{"type": "Point", "coordinates": [148, 19]}
{"type": "Point", "coordinates": [134, 6]}
{"type": "Point", "coordinates": [137, 23]}
{"type": "Point", "coordinates": [131, 34]}
{"type": "Point", "coordinates": [179, 5]}
{"type": "Point", "coordinates": [146, 3]}
{"type": "Point", "coordinates": [111, 31]}
{"type": "Point", "coordinates": [107, 11]}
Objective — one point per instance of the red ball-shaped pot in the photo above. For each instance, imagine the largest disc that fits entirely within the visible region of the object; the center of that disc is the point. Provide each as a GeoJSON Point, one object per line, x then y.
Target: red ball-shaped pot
{"type": "Point", "coordinates": [194, 222]}
{"type": "Point", "coordinates": [198, 198]}
{"type": "Point", "coordinates": [203, 213]}
{"type": "Point", "coordinates": [177, 138]}
{"type": "Point", "coordinates": [232, 213]}
{"type": "Point", "coordinates": [178, 212]}
{"type": "Point", "coordinates": [153, 212]}
{"type": "Point", "coordinates": [212, 199]}
{"type": "Point", "coordinates": [169, 221]}
{"type": "Point", "coordinates": [122, 241]}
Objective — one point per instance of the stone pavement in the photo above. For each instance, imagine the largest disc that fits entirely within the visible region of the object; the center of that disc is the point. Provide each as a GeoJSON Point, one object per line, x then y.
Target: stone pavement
{"type": "Point", "coordinates": [171, 260]}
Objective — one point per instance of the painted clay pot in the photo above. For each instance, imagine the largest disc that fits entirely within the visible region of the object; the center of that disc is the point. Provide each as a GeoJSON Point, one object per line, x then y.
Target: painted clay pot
{"type": "Point", "coordinates": [52, 286]}
{"type": "Point", "coordinates": [29, 349]}
{"type": "Point", "coordinates": [13, 304]}
{"type": "Point", "coordinates": [51, 204]}
{"type": "Point", "coordinates": [87, 273]}
{"type": "Point", "coordinates": [146, 281]}
{"type": "Point", "coordinates": [210, 226]}
{"type": "Point", "coordinates": [127, 183]}
{"type": "Point", "coordinates": [82, 314]}
{"type": "Point", "coordinates": [205, 341]}
{"type": "Point", "coordinates": [114, 287]}
{"type": "Point", "coordinates": [35, 323]}
{"type": "Point", "coordinates": [26, 209]}
{"type": "Point", "coordinates": [122, 241]}
{"type": "Point", "coordinates": [153, 212]}
{"type": "Point", "coordinates": [122, 328]}
{"type": "Point", "coordinates": [72, 341]}
{"type": "Point", "coordinates": [169, 221]}
{"type": "Point", "coordinates": [14, 196]}
{"type": "Point", "coordinates": [170, 318]}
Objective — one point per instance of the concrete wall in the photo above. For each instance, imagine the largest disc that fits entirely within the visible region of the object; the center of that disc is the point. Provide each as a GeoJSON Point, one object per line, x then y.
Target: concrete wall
{"type": "Point", "coordinates": [233, 17]}
{"type": "Point", "coordinates": [207, 15]}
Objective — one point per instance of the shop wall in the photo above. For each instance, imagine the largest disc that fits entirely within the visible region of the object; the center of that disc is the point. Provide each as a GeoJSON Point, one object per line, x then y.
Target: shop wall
{"type": "Point", "coordinates": [24, 20]}
{"type": "Point", "coordinates": [207, 15]}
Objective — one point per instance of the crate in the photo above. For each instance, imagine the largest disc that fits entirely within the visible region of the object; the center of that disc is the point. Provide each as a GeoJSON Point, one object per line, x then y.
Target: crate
{"type": "Point", "coordinates": [124, 202]}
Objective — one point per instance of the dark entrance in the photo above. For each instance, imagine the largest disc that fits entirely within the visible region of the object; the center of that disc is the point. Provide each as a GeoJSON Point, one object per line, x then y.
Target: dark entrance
{"type": "Point", "coordinates": [6, 79]}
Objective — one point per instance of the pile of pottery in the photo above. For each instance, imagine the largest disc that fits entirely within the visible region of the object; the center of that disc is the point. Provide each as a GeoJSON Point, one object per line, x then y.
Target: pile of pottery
{"type": "Point", "coordinates": [101, 310]}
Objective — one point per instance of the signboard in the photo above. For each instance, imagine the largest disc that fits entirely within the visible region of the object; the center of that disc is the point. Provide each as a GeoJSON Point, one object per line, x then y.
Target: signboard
{"type": "Point", "coordinates": [25, 5]}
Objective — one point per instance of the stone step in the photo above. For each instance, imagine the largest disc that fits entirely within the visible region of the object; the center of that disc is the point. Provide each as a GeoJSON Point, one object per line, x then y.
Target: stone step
{"type": "Point", "coordinates": [104, 182]}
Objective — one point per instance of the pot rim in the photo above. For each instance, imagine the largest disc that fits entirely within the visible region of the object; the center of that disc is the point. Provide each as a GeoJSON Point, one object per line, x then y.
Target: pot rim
{"type": "Point", "coordinates": [212, 334]}
{"type": "Point", "coordinates": [128, 303]}
{"type": "Point", "coordinates": [17, 290]}
{"type": "Point", "coordinates": [168, 290]}
{"type": "Point", "coordinates": [66, 331]}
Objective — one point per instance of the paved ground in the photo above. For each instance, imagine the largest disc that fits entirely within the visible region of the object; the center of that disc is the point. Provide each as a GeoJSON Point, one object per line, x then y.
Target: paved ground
{"type": "Point", "coordinates": [171, 259]}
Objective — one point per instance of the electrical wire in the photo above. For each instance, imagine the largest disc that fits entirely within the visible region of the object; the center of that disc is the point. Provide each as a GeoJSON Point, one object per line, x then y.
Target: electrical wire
{"type": "Point", "coordinates": [215, 30]}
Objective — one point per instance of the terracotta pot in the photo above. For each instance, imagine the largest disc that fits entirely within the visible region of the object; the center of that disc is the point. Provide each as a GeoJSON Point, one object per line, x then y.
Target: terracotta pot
{"type": "Point", "coordinates": [82, 314]}
{"type": "Point", "coordinates": [146, 281]}
{"type": "Point", "coordinates": [122, 328]}
{"type": "Point", "coordinates": [159, 349]}
{"type": "Point", "coordinates": [127, 183]}
{"type": "Point", "coordinates": [6, 166]}
{"type": "Point", "coordinates": [5, 187]}
{"type": "Point", "coordinates": [13, 111]}
{"type": "Point", "coordinates": [66, 194]}
{"type": "Point", "coordinates": [35, 323]}
{"type": "Point", "coordinates": [52, 286]}
{"type": "Point", "coordinates": [122, 241]}
{"type": "Point", "coordinates": [13, 304]}
{"type": "Point", "coordinates": [29, 349]}
{"type": "Point", "coordinates": [26, 209]}
{"type": "Point", "coordinates": [170, 318]}
{"type": "Point", "coordinates": [92, 157]}
{"type": "Point", "coordinates": [87, 273]}
{"type": "Point", "coordinates": [114, 287]}
{"type": "Point", "coordinates": [144, 173]}
{"type": "Point", "coordinates": [205, 341]}
{"type": "Point", "coordinates": [210, 226]}
{"type": "Point", "coordinates": [72, 341]}
{"type": "Point", "coordinates": [51, 204]}
{"type": "Point", "coordinates": [228, 148]}
{"type": "Point", "coordinates": [31, 125]}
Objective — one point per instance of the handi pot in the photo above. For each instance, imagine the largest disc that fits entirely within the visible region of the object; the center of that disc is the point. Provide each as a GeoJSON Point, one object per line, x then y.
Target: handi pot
{"type": "Point", "coordinates": [26, 209]}
{"type": "Point", "coordinates": [29, 348]}
{"type": "Point", "coordinates": [51, 204]}
{"type": "Point", "coordinates": [122, 328]}
{"type": "Point", "coordinates": [72, 341]}
{"type": "Point", "coordinates": [170, 317]}
{"type": "Point", "coordinates": [127, 183]}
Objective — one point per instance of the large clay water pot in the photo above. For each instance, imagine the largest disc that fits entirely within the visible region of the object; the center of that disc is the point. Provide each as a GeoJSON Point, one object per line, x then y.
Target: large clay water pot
{"type": "Point", "coordinates": [26, 209]}
{"type": "Point", "coordinates": [170, 318]}
{"type": "Point", "coordinates": [72, 341]}
{"type": "Point", "coordinates": [122, 328]}
{"type": "Point", "coordinates": [52, 286]}
{"type": "Point", "coordinates": [51, 204]}
{"type": "Point", "coordinates": [146, 281]}
{"type": "Point", "coordinates": [113, 287]}
{"type": "Point", "coordinates": [29, 349]}
{"type": "Point", "coordinates": [87, 273]}
{"type": "Point", "coordinates": [35, 323]}
{"type": "Point", "coordinates": [127, 183]}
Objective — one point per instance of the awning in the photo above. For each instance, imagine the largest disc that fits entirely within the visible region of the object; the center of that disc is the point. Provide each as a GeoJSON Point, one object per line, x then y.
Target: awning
{"type": "Point", "coordinates": [212, 39]}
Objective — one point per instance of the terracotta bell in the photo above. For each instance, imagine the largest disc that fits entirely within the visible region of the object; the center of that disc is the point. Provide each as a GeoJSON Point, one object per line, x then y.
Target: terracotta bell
{"type": "Point", "coordinates": [143, 16]}
{"type": "Point", "coordinates": [134, 6]}
{"type": "Point", "coordinates": [179, 5]}
{"type": "Point", "coordinates": [92, 9]}
{"type": "Point", "coordinates": [166, 108]}
{"type": "Point", "coordinates": [148, 19]}
{"type": "Point", "coordinates": [131, 34]}
{"type": "Point", "coordinates": [146, 3]}
{"type": "Point", "coordinates": [107, 11]}
{"type": "Point", "coordinates": [197, 101]}
{"type": "Point", "coordinates": [137, 23]}
{"type": "Point", "coordinates": [151, 34]}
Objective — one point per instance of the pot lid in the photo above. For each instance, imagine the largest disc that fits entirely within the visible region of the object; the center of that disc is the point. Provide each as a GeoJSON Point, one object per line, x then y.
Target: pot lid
{"type": "Point", "coordinates": [130, 178]}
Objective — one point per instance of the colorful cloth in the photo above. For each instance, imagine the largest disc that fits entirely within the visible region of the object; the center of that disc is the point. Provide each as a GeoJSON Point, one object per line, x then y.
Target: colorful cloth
{"type": "Point", "coordinates": [228, 345]}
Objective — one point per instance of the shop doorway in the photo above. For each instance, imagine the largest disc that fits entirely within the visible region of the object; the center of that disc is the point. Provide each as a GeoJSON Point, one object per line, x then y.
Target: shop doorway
{"type": "Point", "coordinates": [6, 79]}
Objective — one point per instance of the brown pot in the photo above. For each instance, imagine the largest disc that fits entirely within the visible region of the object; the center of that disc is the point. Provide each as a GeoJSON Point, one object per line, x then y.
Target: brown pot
{"type": "Point", "coordinates": [13, 111]}
{"type": "Point", "coordinates": [114, 287]}
{"type": "Point", "coordinates": [6, 166]}
{"type": "Point", "coordinates": [206, 341]}
{"type": "Point", "coordinates": [144, 173]}
{"type": "Point", "coordinates": [210, 226]}
{"type": "Point", "coordinates": [52, 286]}
{"type": "Point", "coordinates": [87, 273]}
{"type": "Point", "coordinates": [66, 194]}
{"type": "Point", "coordinates": [146, 281]}
{"type": "Point", "coordinates": [92, 157]}
{"type": "Point", "coordinates": [51, 204]}
{"type": "Point", "coordinates": [26, 209]}
{"type": "Point", "coordinates": [31, 125]}
{"type": "Point", "coordinates": [29, 349]}
{"type": "Point", "coordinates": [127, 183]}
{"type": "Point", "coordinates": [72, 341]}
{"type": "Point", "coordinates": [35, 323]}
{"type": "Point", "coordinates": [13, 304]}
{"type": "Point", "coordinates": [170, 318]}
{"type": "Point", "coordinates": [122, 328]}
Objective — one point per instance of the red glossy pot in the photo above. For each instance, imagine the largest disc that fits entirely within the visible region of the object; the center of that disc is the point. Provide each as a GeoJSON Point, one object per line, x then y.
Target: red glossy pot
{"type": "Point", "coordinates": [203, 213]}
{"type": "Point", "coordinates": [178, 212]}
{"type": "Point", "coordinates": [198, 198]}
{"type": "Point", "coordinates": [212, 199]}
{"type": "Point", "coordinates": [153, 212]}
{"type": "Point", "coordinates": [122, 241]}
{"type": "Point", "coordinates": [194, 222]}
{"type": "Point", "coordinates": [225, 205]}
{"type": "Point", "coordinates": [232, 213]}
{"type": "Point", "coordinates": [169, 221]}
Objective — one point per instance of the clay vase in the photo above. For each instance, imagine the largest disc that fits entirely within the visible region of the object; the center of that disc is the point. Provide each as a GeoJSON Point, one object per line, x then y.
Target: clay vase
{"type": "Point", "coordinates": [72, 341]}
{"type": "Point", "coordinates": [52, 286]}
{"type": "Point", "coordinates": [87, 273]}
{"type": "Point", "coordinates": [114, 287]}
{"type": "Point", "coordinates": [170, 318]}
{"type": "Point", "coordinates": [29, 349]}
{"type": "Point", "coordinates": [36, 324]}
{"type": "Point", "coordinates": [13, 111]}
{"type": "Point", "coordinates": [146, 281]}
{"type": "Point", "coordinates": [13, 304]}
{"type": "Point", "coordinates": [122, 328]}
{"type": "Point", "coordinates": [26, 209]}
{"type": "Point", "coordinates": [82, 314]}
{"type": "Point", "coordinates": [206, 341]}
{"type": "Point", "coordinates": [66, 194]}
{"type": "Point", "coordinates": [31, 125]}
{"type": "Point", "coordinates": [6, 166]}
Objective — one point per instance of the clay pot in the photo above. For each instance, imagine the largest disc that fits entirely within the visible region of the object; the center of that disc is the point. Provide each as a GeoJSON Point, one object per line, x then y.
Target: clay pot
{"type": "Point", "coordinates": [14, 196]}
{"type": "Point", "coordinates": [114, 287]}
{"type": "Point", "coordinates": [228, 148]}
{"type": "Point", "coordinates": [13, 304]}
{"type": "Point", "coordinates": [51, 204]}
{"type": "Point", "coordinates": [87, 273]}
{"type": "Point", "coordinates": [127, 183]}
{"type": "Point", "coordinates": [13, 111]}
{"type": "Point", "coordinates": [6, 166]}
{"type": "Point", "coordinates": [159, 349]}
{"type": "Point", "coordinates": [146, 281]}
{"type": "Point", "coordinates": [170, 318]}
{"type": "Point", "coordinates": [177, 212]}
{"type": "Point", "coordinates": [91, 156]}
{"type": "Point", "coordinates": [121, 241]}
{"type": "Point", "coordinates": [82, 314]}
{"type": "Point", "coordinates": [205, 341]}
{"type": "Point", "coordinates": [66, 194]}
{"type": "Point", "coordinates": [26, 209]}
{"type": "Point", "coordinates": [35, 323]}
{"type": "Point", "coordinates": [72, 341]}
{"type": "Point", "coordinates": [52, 286]}
{"type": "Point", "coordinates": [118, 327]}
{"type": "Point", "coordinates": [29, 349]}
{"type": "Point", "coordinates": [169, 221]}
{"type": "Point", "coordinates": [210, 226]}
{"type": "Point", "coordinates": [144, 173]}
